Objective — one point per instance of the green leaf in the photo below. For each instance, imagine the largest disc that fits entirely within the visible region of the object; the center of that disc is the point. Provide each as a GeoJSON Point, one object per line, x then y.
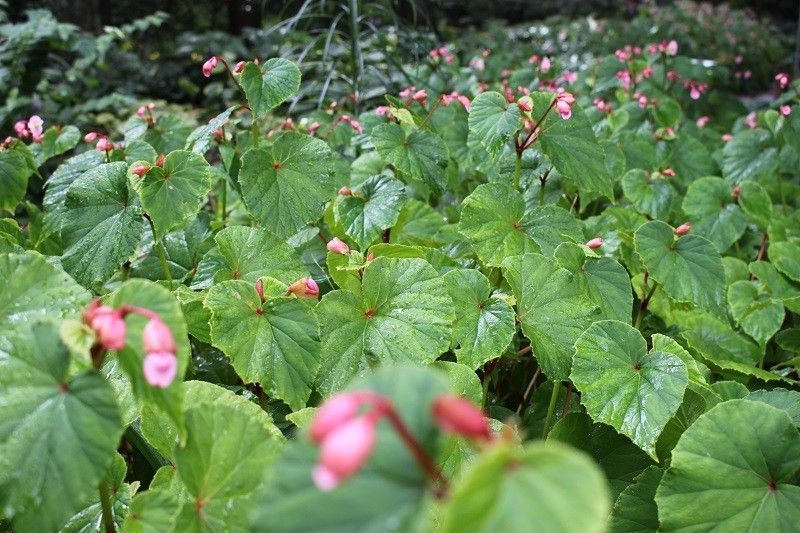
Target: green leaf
{"type": "Point", "coordinates": [620, 459]}
{"type": "Point", "coordinates": [373, 207]}
{"type": "Point", "coordinates": [759, 315]}
{"type": "Point", "coordinates": [688, 268]}
{"type": "Point", "coordinates": [55, 141]}
{"type": "Point", "coordinates": [635, 510]}
{"type": "Point", "coordinates": [495, 219]}
{"type": "Point", "coordinates": [650, 194]}
{"type": "Point", "coordinates": [171, 194]}
{"type": "Point", "coordinates": [484, 324]}
{"type": "Point", "coordinates": [388, 489]}
{"type": "Point", "coordinates": [90, 518]}
{"type": "Point", "coordinates": [717, 342]}
{"type": "Point", "coordinates": [33, 289]}
{"type": "Point", "coordinates": [403, 313]}
{"type": "Point", "coordinates": [785, 256]}
{"type": "Point", "coordinates": [59, 182]}
{"type": "Point", "coordinates": [713, 213]}
{"type": "Point", "coordinates": [572, 147]}
{"type": "Point", "coordinates": [552, 309]}
{"type": "Point", "coordinates": [254, 253]}
{"type": "Point", "coordinates": [492, 120]}
{"type": "Point", "coordinates": [151, 511]}
{"type": "Point", "coordinates": [496, 492]}
{"type": "Point", "coordinates": [57, 434]}
{"type": "Point", "coordinates": [268, 86]}
{"type": "Point", "coordinates": [16, 166]}
{"type": "Point", "coordinates": [734, 470]}
{"type": "Point", "coordinates": [275, 343]}
{"type": "Point", "coordinates": [199, 141]}
{"type": "Point", "coordinates": [756, 204]}
{"type": "Point", "coordinates": [285, 186]}
{"type": "Point", "coordinates": [785, 400]}
{"type": "Point", "coordinates": [602, 279]}
{"type": "Point", "coordinates": [749, 156]}
{"type": "Point", "coordinates": [623, 385]}
{"type": "Point", "coordinates": [417, 154]}
{"type": "Point", "coordinates": [690, 159]}
{"type": "Point", "coordinates": [102, 224]}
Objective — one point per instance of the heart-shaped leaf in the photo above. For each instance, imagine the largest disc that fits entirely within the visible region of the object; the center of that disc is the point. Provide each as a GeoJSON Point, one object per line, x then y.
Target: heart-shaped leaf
{"type": "Point", "coordinates": [713, 212]}
{"type": "Point", "coordinates": [635, 510]}
{"type": "Point", "coordinates": [269, 85]}
{"type": "Point", "coordinates": [285, 186]}
{"type": "Point", "coordinates": [492, 120]}
{"type": "Point", "coordinates": [199, 141]}
{"type": "Point", "coordinates": [759, 315]}
{"type": "Point", "coordinates": [750, 155]}
{"type": "Point", "coordinates": [785, 256]}
{"type": "Point", "coordinates": [373, 206]}
{"type": "Point", "coordinates": [55, 141]}
{"type": "Point", "coordinates": [16, 166]}
{"type": "Point", "coordinates": [651, 194]}
{"type": "Point", "coordinates": [623, 385]}
{"type": "Point", "coordinates": [414, 153]}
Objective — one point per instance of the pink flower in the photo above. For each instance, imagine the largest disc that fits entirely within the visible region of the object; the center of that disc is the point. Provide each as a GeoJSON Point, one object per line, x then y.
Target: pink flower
{"type": "Point", "coordinates": [727, 137]}
{"type": "Point", "coordinates": [673, 76]}
{"type": "Point", "coordinates": [337, 411]}
{"type": "Point", "coordinates": [564, 109]}
{"type": "Point", "coordinates": [141, 170]}
{"type": "Point", "coordinates": [621, 55]}
{"type": "Point", "coordinates": [652, 49]}
{"type": "Point", "coordinates": [600, 104]}
{"type": "Point", "coordinates": [35, 124]}
{"type": "Point", "coordinates": [464, 101]}
{"type": "Point", "coordinates": [21, 128]}
{"type": "Point", "coordinates": [382, 110]}
{"type": "Point", "coordinates": [314, 126]}
{"type": "Point", "coordinates": [545, 65]}
{"type": "Point", "coordinates": [595, 243]}
{"type": "Point", "coordinates": [407, 92]}
{"type": "Point", "coordinates": [304, 288]}
{"type": "Point", "coordinates": [90, 137]}
{"type": "Point", "coordinates": [570, 77]}
{"type": "Point", "coordinates": [420, 96]}
{"type": "Point", "coordinates": [209, 66]}
{"type": "Point", "coordinates": [672, 48]}
{"type": "Point", "coordinates": [454, 414]}
{"type": "Point", "coordinates": [647, 72]}
{"type": "Point", "coordinates": [108, 325]}
{"type": "Point", "coordinates": [736, 192]}
{"type": "Point", "coordinates": [239, 67]}
{"type": "Point", "coordinates": [702, 121]}
{"type": "Point", "coordinates": [345, 191]}
{"type": "Point", "coordinates": [643, 101]}
{"type": "Point", "coordinates": [104, 145]}
{"type": "Point", "coordinates": [683, 229]}
{"type": "Point", "coordinates": [624, 78]}
{"type": "Point", "coordinates": [785, 110]}
{"type": "Point", "coordinates": [750, 120]}
{"type": "Point", "coordinates": [533, 59]}
{"type": "Point", "coordinates": [524, 105]}
{"type": "Point", "coordinates": [338, 246]}
{"type": "Point", "coordinates": [694, 93]}
{"type": "Point", "coordinates": [160, 369]}
{"type": "Point", "coordinates": [141, 112]}
{"type": "Point", "coordinates": [783, 79]}
{"type": "Point", "coordinates": [157, 337]}
{"type": "Point", "coordinates": [668, 172]}
{"type": "Point", "coordinates": [344, 451]}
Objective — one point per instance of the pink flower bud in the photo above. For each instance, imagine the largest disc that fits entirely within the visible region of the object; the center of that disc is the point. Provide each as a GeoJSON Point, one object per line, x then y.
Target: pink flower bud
{"type": "Point", "coordinates": [694, 93]}
{"type": "Point", "coordinates": [151, 106]}
{"type": "Point", "coordinates": [157, 337]}
{"type": "Point", "coordinates": [345, 191]}
{"type": "Point", "coordinates": [647, 72]}
{"type": "Point", "coordinates": [643, 101]}
{"type": "Point", "coordinates": [338, 246]}
{"type": "Point", "coordinates": [344, 451]}
{"type": "Point", "coordinates": [783, 79]}
{"type": "Point", "coordinates": [21, 128]}
{"type": "Point", "coordinates": [141, 112]}
{"type": "Point", "coordinates": [456, 415]}
{"type": "Point", "coordinates": [141, 170]}
{"type": "Point", "coordinates": [304, 288]}
{"type": "Point", "coordinates": [336, 411]}
{"type": "Point", "coordinates": [464, 101]}
{"type": "Point", "coordinates": [595, 243]}
{"type": "Point", "coordinates": [673, 76]}
{"type": "Point", "coordinates": [104, 145]}
{"type": "Point", "coordinates": [314, 126]}
{"type": "Point", "coordinates": [160, 369]}
{"type": "Point", "coordinates": [668, 172]}
{"type": "Point", "coordinates": [420, 96]}
{"type": "Point", "coordinates": [524, 105]}
{"type": "Point", "coordinates": [564, 109]}
{"type": "Point", "coordinates": [672, 48]}
{"type": "Point", "coordinates": [209, 66]}
{"type": "Point", "coordinates": [736, 192]}
{"type": "Point", "coordinates": [90, 137]}
{"type": "Point", "coordinates": [545, 65]}
{"type": "Point", "coordinates": [108, 325]}
{"type": "Point", "coordinates": [35, 124]}
{"type": "Point", "coordinates": [702, 121]}
{"type": "Point", "coordinates": [260, 290]}
{"type": "Point", "coordinates": [239, 67]}
{"type": "Point", "coordinates": [683, 229]}
{"type": "Point", "coordinates": [750, 120]}
{"type": "Point", "coordinates": [727, 137]}
{"type": "Point", "coordinates": [785, 110]}
{"type": "Point", "coordinates": [160, 160]}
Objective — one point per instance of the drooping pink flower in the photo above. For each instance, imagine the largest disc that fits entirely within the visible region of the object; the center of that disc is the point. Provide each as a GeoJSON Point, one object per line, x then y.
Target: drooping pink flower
{"type": "Point", "coordinates": [624, 78]}
{"type": "Point", "coordinates": [672, 48]}
{"type": "Point", "coordinates": [35, 126]}
{"type": "Point", "coordinates": [727, 137]}
{"type": "Point", "coordinates": [524, 105]}
{"type": "Point", "coordinates": [209, 66]}
{"type": "Point", "coordinates": [141, 111]}
{"type": "Point", "coordinates": [314, 126]}
{"type": "Point", "coordinates": [694, 94]}
{"type": "Point", "coordinates": [90, 137]}
{"type": "Point", "coordinates": [564, 109]}
{"type": "Point", "coordinates": [344, 451]}
{"type": "Point", "coordinates": [643, 101]}
{"type": "Point", "coordinates": [647, 72]}
{"type": "Point", "coordinates": [464, 101]}
{"type": "Point", "coordinates": [621, 55]}
{"type": "Point", "coordinates": [108, 325]}
{"type": "Point", "coordinates": [751, 120]}
{"type": "Point", "coordinates": [337, 411]}
{"type": "Point", "coordinates": [239, 67]}
{"type": "Point", "coordinates": [595, 243]}
{"type": "Point", "coordinates": [345, 191]}
{"type": "Point", "coordinates": [569, 77]}
{"type": "Point", "coordinates": [21, 129]}
{"type": "Point", "coordinates": [157, 337]}
{"type": "Point", "coordinates": [304, 288]}
{"type": "Point", "coordinates": [545, 65]}
{"type": "Point", "coordinates": [454, 414]}
{"type": "Point", "coordinates": [104, 145]}
{"type": "Point", "coordinates": [683, 229]}
{"type": "Point", "coordinates": [669, 172]}
{"type": "Point", "coordinates": [338, 246]}
{"type": "Point", "coordinates": [160, 369]}
{"type": "Point", "coordinates": [140, 169]}
{"type": "Point", "coordinates": [702, 121]}
{"type": "Point", "coordinates": [785, 110]}
{"type": "Point", "coordinates": [783, 79]}
{"type": "Point", "coordinates": [673, 76]}
{"type": "Point", "coordinates": [420, 96]}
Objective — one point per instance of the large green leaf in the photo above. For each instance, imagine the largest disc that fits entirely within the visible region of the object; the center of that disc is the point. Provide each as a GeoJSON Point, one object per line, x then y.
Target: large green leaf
{"type": "Point", "coordinates": [749, 156]}
{"type": "Point", "coordinates": [572, 147]}
{"type": "Point", "coordinates": [285, 186]}
{"type": "Point", "coordinates": [717, 342]}
{"type": "Point", "coordinates": [33, 289]}
{"type": "Point", "coordinates": [102, 224]}
{"type": "Point", "coordinates": [16, 166]}
{"type": "Point", "coordinates": [59, 182]}
{"type": "Point", "coordinates": [650, 194]}
{"type": "Point", "coordinates": [252, 253]}
{"type": "Point", "coordinates": [688, 268]}
{"type": "Point", "coordinates": [495, 219]}
{"type": "Point", "coordinates": [174, 192]}
{"type": "Point", "coordinates": [785, 256]}
{"type": "Point", "coordinates": [199, 141]}
{"type": "Point", "coordinates": [713, 213]}
{"type": "Point", "coordinates": [55, 141]}
{"type": "Point", "coordinates": [57, 434]}
{"type": "Point", "coordinates": [734, 469]}
{"type": "Point", "coordinates": [269, 85]}
{"type": "Point", "coordinates": [786, 400]}
{"type": "Point", "coordinates": [552, 309]}
{"type": "Point", "coordinates": [389, 490]}
{"type": "Point", "coordinates": [484, 325]}
{"type": "Point", "coordinates": [275, 343]}
{"type": "Point", "coordinates": [759, 315]}
{"type": "Point", "coordinates": [403, 313]}
{"type": "Point", "coordinates": [373, 207]}
{"type": "Point", "coordinates": [417, 154]}
{"type": "Point", "coordinates": [492, 120]}
{"type": "Point", "coordinates": [537, 487]}
{"type": "Point", "coordinates": [635, 510]}
{"type": "Point", "coordinates": [602, 279]}
{"type": "Point", "coordinates": [623, 385]}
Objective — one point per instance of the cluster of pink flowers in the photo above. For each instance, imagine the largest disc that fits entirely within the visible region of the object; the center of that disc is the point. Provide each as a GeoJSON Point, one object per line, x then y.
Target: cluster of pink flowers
{"type": "Point", "coordinates": [345, 428]}
{"type": "Point", "coordinates": [602, 105]}
{"type": "Point", "coordinates": [160, 362]}
{"type": "Point", "coordinates": [412, 94]}
{"type": "Point", "coordinates": [564, 103]}
{"type": "Point", "coordinates": [454, 96]}
{"type": "Point", "coordinates": [627, 52]}
{"type": "Point", "coordinates": [670, 48]}
{"type": "Point", "coordinates": [33, 128]}
{"type": "Point", "coordinates": [356, 125]}
{"type": "Point", "coordinates": [145, 113]}
{"type": "Point", "coordinates": [442, 53]}
{"type": "Point", "coordinates": [544, 62]}
{"type": "Point", "coordinates": [783, 79]}
{"type": "Point", "coordinates": [103, 143]}
{"type": "Point", "coordinates": [743, 74]}
{"type": "Point", "coordinates": [695, 88]}
{"type": "Point", "coordinates": [624, 78]}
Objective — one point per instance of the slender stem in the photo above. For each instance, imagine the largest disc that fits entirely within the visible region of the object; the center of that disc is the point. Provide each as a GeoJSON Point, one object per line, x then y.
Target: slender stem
{"type": "Point", "coordinates": [487, 377]}
{"type": "Point", "coordinates": [551, 409]}
{"type": "Point", "coordinates": [761, 249]}
{"type": "Point", "coordinates": [542, 183]}
{"type": "Point", "coordinates": [567, 398]}
{"type": "Point", "coordinates": [524, 403]}
{"type": "Point", "coordinates": [162, 254]}
{"type": "Point", "coordinates": [224, 200]}
{"type": "Point", "coordinates": [435, 106]}
{"type": "Point", "coordinates": [105, 505]}
{"type": "Point", "coordinates": [643, 305]}
{"type": "Point", "coordinates": [525, 350]}
{"type": "Point", "coordinates": [230, 73]}
{"type": "Point", "coordinates": [355, 54]}
{"type": "Point", "coordinates": [254, 132]}
{"type": "Point", "coordinates": [517, 170]}
{"type": "Point", "coordinates": [416, 449]}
